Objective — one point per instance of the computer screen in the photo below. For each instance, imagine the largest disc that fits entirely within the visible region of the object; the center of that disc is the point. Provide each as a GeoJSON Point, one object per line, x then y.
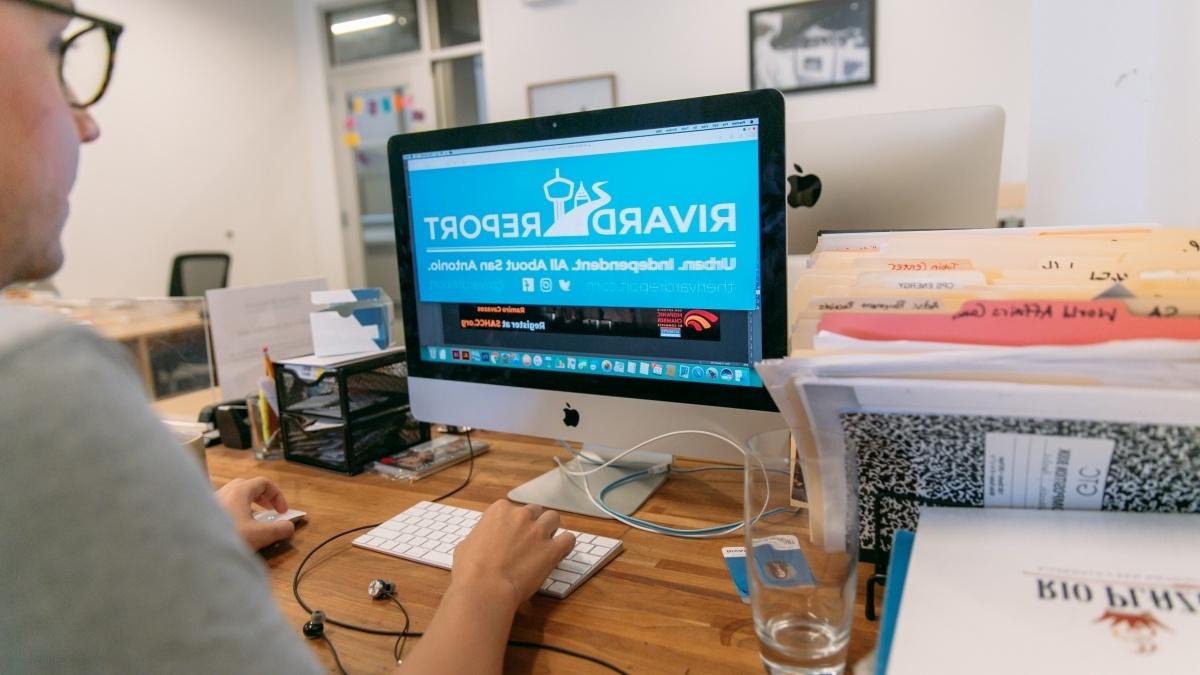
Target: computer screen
{"type": "Point", "coordinates": [920, 169]}
{"type": "Point", "coordinates": [634, 254]}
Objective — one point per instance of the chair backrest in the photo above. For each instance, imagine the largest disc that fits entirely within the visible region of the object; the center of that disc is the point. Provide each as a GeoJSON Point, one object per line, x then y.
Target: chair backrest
{"type": "Point", "coordinates": [194, 273]}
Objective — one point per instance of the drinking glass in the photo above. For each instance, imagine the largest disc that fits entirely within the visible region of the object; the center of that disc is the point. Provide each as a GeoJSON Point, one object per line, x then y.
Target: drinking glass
{"type": "Point", "coordinates": [801, 556]}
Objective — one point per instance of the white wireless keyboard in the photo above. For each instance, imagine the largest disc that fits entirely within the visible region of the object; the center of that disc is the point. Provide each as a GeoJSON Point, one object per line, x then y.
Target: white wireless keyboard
{"type": "Point", "coordinates": [428, 533]}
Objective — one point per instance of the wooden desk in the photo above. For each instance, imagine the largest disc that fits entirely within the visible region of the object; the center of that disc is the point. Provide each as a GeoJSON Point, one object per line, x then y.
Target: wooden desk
{"type": "Point", "coordinates": [144, 326]}
{"type": "Point", "coordinates": [664, 605]}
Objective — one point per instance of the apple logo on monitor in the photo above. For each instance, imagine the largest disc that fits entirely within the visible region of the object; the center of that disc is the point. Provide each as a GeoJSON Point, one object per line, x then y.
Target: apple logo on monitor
{"type": "Point", "coordinates": [803, 190]}
{"type": "Point", "coordinates": [570, 416]}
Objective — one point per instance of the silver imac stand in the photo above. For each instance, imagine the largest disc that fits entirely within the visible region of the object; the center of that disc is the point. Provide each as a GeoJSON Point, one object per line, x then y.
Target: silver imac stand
{"type": "Point", "coordinates": [562, 492]}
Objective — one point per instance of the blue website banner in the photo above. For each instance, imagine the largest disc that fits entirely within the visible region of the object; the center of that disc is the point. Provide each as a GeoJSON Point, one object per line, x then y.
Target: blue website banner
{"type": "Point", "coordinates": [665, 227]}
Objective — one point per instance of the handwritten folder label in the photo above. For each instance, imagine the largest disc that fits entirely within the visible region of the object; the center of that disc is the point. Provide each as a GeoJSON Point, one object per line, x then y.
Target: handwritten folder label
{"type": "Point", "coordinates": [1015, 323]}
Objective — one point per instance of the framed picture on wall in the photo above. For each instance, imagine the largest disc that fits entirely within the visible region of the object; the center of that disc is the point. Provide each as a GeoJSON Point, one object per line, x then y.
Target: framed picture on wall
{"type": "Point", "coordinates": [818, 44]}
{"type": "Point", "coordinates": [573, 95]}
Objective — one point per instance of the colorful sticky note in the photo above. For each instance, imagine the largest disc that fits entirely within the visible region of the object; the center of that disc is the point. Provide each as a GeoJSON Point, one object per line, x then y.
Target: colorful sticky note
{"type": "Point", "coordinates": [357, 105]}
{"type": "Point", "coordinates": [350, 123]}
{"type": "Point", "coordinates": [386, 103]}
{"type": "Point", "coordinates": [351, 139]}
{"type": "Point", "coordinates": [399, 101]}
{"type": "Point", "coordinates": [418, 115]}
{"type": "Point", "coordinates": [372, 107]}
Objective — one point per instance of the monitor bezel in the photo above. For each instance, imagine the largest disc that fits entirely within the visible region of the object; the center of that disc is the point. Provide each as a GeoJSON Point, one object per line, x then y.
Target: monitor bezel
{"type": "Point", "coordinates": [767, 105]}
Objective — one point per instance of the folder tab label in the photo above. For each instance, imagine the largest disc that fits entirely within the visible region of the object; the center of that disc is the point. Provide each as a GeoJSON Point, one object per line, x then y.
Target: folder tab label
{"type": "Point", "coordinates": [923, 281]}
{"type": "Point", "coordinates": [1032, 471]}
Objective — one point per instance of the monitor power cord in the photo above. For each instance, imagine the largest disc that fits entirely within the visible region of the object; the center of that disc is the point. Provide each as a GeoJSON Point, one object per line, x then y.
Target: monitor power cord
{"type": "Point", "coordinates": [655, 528]}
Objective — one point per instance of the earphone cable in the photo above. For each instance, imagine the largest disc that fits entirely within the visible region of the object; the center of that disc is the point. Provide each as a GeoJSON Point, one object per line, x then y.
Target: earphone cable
{"type": "Point", "coordinates": [401, 640]}
{"type": "Point", "coordinates": [336, 660]}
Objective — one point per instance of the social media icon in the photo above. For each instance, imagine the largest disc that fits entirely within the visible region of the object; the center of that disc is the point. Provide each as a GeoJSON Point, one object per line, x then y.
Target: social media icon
{"type": "Point", "coordinates": [564, 285]}
{"type": "Point", "coordinates": [546, 284]}
{"type": "Point", "coordinates": [527, 284]}
{"type": "Point", "coordinates": [593, 366]}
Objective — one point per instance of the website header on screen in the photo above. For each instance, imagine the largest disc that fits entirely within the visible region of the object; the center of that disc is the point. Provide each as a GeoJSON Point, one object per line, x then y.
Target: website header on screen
{"type": "Point", "coordinates": [652, 218]}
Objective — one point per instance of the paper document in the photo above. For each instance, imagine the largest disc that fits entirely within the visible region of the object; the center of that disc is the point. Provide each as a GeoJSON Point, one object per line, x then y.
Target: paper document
{"type": "Point", "coordinates": [999, 591]}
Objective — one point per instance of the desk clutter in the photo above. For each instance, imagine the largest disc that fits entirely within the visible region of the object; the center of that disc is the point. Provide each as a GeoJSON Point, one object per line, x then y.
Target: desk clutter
{"type": "Point", "coordinates": [1053, 369]}
{"type": "Point", "coordinates": [342, 413]}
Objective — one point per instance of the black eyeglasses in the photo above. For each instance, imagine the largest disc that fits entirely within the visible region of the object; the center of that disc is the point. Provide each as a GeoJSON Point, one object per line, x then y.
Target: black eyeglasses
{"type": "Point", "coordinates": [86, 56]}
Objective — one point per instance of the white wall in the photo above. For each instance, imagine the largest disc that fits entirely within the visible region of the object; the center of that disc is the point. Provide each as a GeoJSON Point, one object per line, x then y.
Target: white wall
{"type": "Point", "coordinates": [212, 138]}
{"type": "Point", "coordinates": [929, 54]}
{"type": "Point", "coordinates": [216, 132]}
{"type": "Point", "coordinates": [1114, 135]}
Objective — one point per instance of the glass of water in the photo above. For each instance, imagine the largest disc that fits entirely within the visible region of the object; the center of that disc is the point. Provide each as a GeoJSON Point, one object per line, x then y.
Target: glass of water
{"type": "Point", "coordinates": [801, 556]}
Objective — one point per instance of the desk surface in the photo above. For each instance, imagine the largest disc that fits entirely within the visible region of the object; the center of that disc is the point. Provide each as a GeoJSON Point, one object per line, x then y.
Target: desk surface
{"type": "Point", "coordinates": [664, 605]}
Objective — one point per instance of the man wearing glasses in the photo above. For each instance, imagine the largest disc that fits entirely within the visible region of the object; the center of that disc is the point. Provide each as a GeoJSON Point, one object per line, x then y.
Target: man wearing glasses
{"type": "Point", "coordinates": [114, 556]}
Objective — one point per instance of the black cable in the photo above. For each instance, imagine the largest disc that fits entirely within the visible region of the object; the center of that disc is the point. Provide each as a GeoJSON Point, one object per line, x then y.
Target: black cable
{"type": "Point", "coordinates": [398, 650]}
{"type": "Point", "coordinates": [403, 634]}
{"type": "Point", "coordinates": [569, 652]}
{"type": "Point", "coordinates": [329, 620]}
{"type": "Point", "coordinates": [333, 651]}
{"type": "Point", "coordinates": [470, 471]}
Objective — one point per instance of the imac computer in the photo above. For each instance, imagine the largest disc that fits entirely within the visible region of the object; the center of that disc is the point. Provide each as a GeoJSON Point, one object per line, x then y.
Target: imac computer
{"type": "Point", "coordinates": [916, 170]}
{"type": "Point", "coordinates": [603, 276]}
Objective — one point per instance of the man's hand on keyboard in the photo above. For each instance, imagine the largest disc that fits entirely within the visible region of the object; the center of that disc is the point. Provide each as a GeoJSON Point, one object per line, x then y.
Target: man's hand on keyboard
{"type": "Point", "coordinates": [512, 547]}
{"type": "Point", "coordinates": [237, 495]}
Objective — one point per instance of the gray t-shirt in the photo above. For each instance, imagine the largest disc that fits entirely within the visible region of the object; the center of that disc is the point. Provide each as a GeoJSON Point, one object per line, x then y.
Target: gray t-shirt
{"type": "Point", "coordinates": [114, 556]}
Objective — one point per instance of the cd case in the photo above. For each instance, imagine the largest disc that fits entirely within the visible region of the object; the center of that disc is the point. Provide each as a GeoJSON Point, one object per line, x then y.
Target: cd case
{"type": "Point", "coordinates": [427, 458]}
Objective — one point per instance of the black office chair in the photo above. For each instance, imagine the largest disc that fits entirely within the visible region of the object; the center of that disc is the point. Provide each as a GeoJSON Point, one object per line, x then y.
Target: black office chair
{"type": "Point", "coordinates": [194, 273]}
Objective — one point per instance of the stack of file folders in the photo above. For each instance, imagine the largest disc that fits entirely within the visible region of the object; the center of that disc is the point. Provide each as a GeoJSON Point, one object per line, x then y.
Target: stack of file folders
{"type": "Point", "coordinates": [1044, 368]}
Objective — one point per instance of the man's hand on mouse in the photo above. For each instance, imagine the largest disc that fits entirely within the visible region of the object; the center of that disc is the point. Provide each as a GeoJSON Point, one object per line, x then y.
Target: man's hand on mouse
{"type": "Point", "coordinates": [237, 495]}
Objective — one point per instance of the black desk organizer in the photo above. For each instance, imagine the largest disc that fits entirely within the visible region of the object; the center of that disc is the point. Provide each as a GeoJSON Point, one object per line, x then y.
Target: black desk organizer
{"type": "Point", "coordinates": [345, 416]}
{"type": "Point", "coordinates": [883, 541]}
